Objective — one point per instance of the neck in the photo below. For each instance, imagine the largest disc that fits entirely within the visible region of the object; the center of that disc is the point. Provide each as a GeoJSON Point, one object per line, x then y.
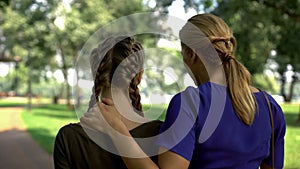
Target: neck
{"type": "Point", "coordinates": [218, 76]}
{"type": "Point", "coordinates": [122, 102]}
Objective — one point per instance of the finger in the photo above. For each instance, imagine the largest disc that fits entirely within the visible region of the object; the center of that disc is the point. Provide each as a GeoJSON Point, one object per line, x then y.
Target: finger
{"type": "Point", "coordinates": [101, 107]}
{"type": "Point", "coordinates": [107, 101]}
{"type": "Point", "coordinates": [104, 109]}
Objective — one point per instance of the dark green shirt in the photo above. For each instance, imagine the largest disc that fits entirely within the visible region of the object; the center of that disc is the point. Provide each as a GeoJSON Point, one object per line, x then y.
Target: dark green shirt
{"type": "Point", "coordinates": [75, 150]}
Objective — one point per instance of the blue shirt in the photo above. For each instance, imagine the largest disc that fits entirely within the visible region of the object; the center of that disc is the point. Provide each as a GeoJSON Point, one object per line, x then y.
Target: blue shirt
{"type": "Point", "coordinates": [202, 126]}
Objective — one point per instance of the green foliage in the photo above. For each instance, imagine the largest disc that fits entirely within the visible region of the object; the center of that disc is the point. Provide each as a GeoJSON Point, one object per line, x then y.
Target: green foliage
{"type": "Point", "coordinates": [164, 72]}
{"type": "Point", "coordinates": [24, 29]}
{"type": "Point", "coordinates": [37, 31]}
{"type": "Point", "coordinates": [253, 30]}
{"type": "Point", "coordinates": [124, 8]}
{"type": "Point", "coordinates": [266, 83]}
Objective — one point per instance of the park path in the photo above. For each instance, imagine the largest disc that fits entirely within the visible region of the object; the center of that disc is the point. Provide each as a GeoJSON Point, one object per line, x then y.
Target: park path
{"type": "Point", "coordinates": [17, 149]}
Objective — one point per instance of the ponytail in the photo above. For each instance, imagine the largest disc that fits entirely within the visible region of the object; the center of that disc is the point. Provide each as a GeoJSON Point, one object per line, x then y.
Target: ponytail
{"type": "Point", "coordinates": [238, 79]}
{"type": "Point", "coordinates": [238, 82]}
{"type": "Point", "coordinates": [237, 76]}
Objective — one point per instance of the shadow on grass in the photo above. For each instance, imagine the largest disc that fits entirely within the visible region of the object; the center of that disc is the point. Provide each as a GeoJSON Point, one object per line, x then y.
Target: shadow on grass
{"type": "Point", "coordinates": [62, 115]}
{"type": "Point", "coordinates": [54, 111]}
{"type": "Point", "coordinates": [56, 107]}
{"type": "Point", "coordinates": [12, 105]}
{"type": "Point", "coordinates": [291, 119]}
{"type": "Point", "coordinates": [43, 138]}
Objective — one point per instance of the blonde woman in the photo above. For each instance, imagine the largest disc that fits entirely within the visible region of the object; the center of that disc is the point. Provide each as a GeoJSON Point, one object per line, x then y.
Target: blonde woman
{"type": "Point", "coordinates": [223, 123]}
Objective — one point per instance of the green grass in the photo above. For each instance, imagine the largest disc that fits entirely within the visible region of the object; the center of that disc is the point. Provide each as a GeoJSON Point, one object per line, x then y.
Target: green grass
{"type": "Point", "coordinates": [43, 124]}
{"type": "Point", "coordinates": [292, 137]}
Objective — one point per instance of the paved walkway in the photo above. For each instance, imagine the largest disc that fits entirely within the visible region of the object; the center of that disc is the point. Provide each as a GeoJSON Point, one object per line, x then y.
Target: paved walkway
{"type": "Point", "coordinates": [17, 149]}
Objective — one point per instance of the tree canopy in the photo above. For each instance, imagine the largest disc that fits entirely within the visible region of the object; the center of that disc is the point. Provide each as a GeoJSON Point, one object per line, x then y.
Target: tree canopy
{"type": "Point", "coordinates": [41, 32]}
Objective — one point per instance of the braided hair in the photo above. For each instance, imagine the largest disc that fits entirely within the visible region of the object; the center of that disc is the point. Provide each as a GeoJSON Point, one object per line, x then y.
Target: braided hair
{"type": "Point", "coordinates": [121, 58]}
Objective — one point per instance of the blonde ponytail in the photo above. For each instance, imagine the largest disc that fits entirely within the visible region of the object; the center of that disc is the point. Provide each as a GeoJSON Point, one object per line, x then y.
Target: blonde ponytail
{"type": "Point", "coordinates": [238, 78]}
{"type": "Point", "coordinates": [238, 82]}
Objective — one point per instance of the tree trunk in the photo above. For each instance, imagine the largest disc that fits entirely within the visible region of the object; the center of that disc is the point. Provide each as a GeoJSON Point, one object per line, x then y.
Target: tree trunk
{"type": "Point", "coordinates": [29, 93]}
{"type": "Point", "coordinates": [282, 87]}
{"type": "Point", "coordinates": [65, 74]}
{"type": "Point", "coordinates": [78, 93]}
{"type": "Point", "coordinates": [29, 90]}
{"type": "Point", "coordinates": [298, 120]}
{"type": "Point", "coordinates": [291, 91]}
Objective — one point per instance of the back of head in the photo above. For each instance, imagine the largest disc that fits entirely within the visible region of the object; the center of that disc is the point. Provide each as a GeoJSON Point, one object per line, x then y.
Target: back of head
{"type": "Point", "coordinates": [238, 77]}
{"type": "Point", "coordinates": [115, 63]}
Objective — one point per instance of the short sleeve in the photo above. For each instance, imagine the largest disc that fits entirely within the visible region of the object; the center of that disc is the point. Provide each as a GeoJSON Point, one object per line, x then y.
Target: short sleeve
{"type": "Point", "coordinates": [279, 133]}
{"type": "Point", "coordinates": [177, 132]}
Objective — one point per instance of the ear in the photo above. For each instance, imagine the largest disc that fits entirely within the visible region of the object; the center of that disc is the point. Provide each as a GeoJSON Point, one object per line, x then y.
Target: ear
{"type": "Point", "coordinates": [192, 57]}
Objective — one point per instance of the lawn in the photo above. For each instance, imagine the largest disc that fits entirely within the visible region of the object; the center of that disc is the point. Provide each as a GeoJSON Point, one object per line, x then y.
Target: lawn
{"type": "Point", "coordinates": [44, 122]}
{"type": "Point", "coordinates": [292, 137]}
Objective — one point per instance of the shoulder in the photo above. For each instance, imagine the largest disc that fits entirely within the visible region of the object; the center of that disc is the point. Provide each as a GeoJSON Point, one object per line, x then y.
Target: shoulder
{"type": "Point", "coordinates": [194, 96]}
{"type": "Point", "coordinates": [70, 127]}
{"type": "Point", "coordinates": [274, 104]}
{"type": "Point", "coordinates": [277, 111]}
{"type": "Point", "coordinates": [189, 92]}
{"type": "Point", "coordinates": [70, 130]}
{"type": "Point", "coordinates": [147, 129]}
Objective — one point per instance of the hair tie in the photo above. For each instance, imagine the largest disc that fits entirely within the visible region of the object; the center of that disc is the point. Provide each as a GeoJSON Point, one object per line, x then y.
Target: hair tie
{"type": "Point", "coordinates": [227, 57]}
{"type": "Point", "coordinates": [214, 39]}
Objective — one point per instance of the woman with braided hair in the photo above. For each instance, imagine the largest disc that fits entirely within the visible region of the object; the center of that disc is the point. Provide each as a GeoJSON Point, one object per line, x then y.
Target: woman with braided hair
{"type": "Point", "coordinates": [223, 123]}
{"type": "Point", "coordinates": [114, 63]}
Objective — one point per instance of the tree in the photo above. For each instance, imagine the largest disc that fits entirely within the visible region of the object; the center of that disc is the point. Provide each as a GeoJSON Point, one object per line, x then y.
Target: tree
{"type": "Point", "coordinates": [83, 19]}
{"type": "Point", "coordinates": [25, 35]}
{"type": "Point", "coordinates": [72, 25]}
{"type": "Point", "coordinates": [47, 29]}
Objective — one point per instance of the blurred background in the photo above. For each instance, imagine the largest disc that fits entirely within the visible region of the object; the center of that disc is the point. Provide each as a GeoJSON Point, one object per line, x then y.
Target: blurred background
{"type": "Point", "coordinates": [40, 41]}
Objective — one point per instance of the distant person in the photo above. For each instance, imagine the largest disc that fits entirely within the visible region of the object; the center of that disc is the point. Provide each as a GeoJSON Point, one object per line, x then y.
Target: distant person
{"type": "Point", "coordinates": [74, 149]}
{"type": "Point", "coordinates": [242, 136]}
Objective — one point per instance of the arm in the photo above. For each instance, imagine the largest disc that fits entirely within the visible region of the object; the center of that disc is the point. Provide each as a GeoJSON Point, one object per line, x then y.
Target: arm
{"type": "Point", "coordinates": [171, 160]}
{"type": "Point", "coordinates": [136, 158]}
